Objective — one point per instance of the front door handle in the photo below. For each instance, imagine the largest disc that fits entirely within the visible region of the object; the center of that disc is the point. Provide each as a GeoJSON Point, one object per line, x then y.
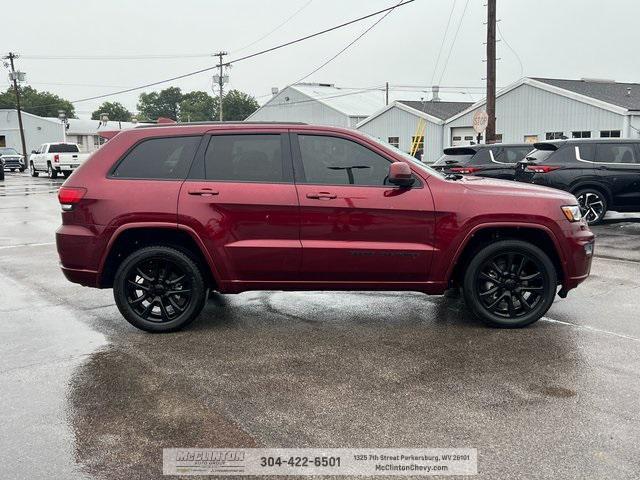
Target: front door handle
{"type": "Point", "coordinates": [322, 195]}
{"type": "Point", "coordinates": [203, 191]}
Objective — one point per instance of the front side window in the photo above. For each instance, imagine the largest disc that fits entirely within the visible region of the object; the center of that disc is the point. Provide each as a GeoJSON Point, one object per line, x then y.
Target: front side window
{"type": "Point", "coordinates": [245, 158]}
{"type": "Point", "coordinates": [615, 153]}
{"type": "Point", "coordinates": [338, 161]}
{"type": "Point", "coordinates": [159, 158]}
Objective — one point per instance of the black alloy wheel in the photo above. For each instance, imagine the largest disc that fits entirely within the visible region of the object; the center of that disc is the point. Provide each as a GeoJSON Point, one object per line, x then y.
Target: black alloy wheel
{"type": "Point", "coordinates": [510, 284]}
{"type": "Point", "coordinates": [159, 289]}
{"type": "Point", "coordinates": [593, 205]}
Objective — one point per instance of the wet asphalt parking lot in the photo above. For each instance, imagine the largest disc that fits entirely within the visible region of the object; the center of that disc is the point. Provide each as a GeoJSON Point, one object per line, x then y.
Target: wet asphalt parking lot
{"type": "Point", "coordinates": [85, 395]}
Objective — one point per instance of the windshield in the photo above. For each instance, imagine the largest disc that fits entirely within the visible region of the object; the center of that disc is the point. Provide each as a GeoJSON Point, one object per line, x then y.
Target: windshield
{"type": "Point", "coordinates": [428, 170]}
{"type": "Point", "coordinates": [451, 159]}
{"type": "Point", "coordinates": [8, 151]}
{"type": "Point", "coordinates": [539, 155]}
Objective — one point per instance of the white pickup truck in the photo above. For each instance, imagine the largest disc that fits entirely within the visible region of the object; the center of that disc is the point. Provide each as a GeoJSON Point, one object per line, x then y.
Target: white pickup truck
{"type": "Point", "coordinates": [55, 159]}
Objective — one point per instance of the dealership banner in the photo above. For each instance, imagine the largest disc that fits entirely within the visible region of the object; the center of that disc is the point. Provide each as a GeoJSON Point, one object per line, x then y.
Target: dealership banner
{"type": "Point", "coordinates": [320, 461]}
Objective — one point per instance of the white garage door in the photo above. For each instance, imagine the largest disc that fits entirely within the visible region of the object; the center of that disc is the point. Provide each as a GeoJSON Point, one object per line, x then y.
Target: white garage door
{"type": "Point", "coordinates": [462, 136]}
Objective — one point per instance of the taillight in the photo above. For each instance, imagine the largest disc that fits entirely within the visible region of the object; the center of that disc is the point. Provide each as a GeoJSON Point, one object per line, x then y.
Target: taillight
{"type": "Point", "coordinates": [56, 158]}
{"type": "Point", "coordinates": [69, 196]}
{"type": "Point", "coordinates": [465, 170]}
{"type": "Point", "coordinates": [542, 168]}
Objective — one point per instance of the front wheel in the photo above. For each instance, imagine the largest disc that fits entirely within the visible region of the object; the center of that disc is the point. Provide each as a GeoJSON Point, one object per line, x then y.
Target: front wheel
{"type": "Point", "coordinates": [159, 289]}
{"type": "Point", "coordinates": [510, 284]}
{"type": "Point", "coordinates": [32, 170]}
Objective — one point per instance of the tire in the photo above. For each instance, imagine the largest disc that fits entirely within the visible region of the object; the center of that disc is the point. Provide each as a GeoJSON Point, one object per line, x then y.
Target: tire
{"type": "Point", "coordinates": [51, 173]}
{"type": "Point", "coordinates": [504, 291]}
{"type": "Point", "coordinates": [66, 174]}
{"type": "Point", "coordinates": [159, 270]}
{"type": "Point", "coordinates": [22, 169]}
{"type": "Point", "coordinates": [1, 173]}
{"type": "Point", "coordinates": [593, 205]}
{"type": "Point", "coordinates": [32, 170]}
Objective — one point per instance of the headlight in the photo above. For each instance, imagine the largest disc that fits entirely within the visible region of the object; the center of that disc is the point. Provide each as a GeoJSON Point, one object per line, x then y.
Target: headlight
{"type": "Point", "coordinates": [572, 212]}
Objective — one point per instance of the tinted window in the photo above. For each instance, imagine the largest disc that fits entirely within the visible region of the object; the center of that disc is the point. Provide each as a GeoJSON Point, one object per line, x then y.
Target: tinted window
{"type": "Point", "coordinates": [482, 157]}
{"type": "Point", "coordinates": [244, 158]}
{"type": "Point", "coordinates": [336, 161]}
{"type": "Point", "coordinates": [63, 148]}
{"type": "Point", "coordinates": [451, 159]}
{"type": "Point", "coordinates": [161, 158]}
{"type": "Point", "coordinates": [539, 155]}
{"type": "Point", "coordinates": [587, 151]}
{"type": "Point", "coordinates": [615, 153]}
{"type": "Point", "coordinates": [513, 154]}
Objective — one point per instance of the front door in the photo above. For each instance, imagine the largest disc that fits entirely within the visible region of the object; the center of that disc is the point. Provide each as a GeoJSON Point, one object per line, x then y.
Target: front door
{"type": "Point", "coordinates": [619, 166]}
{"type": "Point", "coordinates": [355, 226]}
{"type": "Point", "coordinates": [241, 200]}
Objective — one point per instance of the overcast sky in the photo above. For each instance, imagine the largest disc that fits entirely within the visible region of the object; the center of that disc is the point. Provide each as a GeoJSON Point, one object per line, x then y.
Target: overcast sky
{"type": "Point", "coordinates": [560, 39]}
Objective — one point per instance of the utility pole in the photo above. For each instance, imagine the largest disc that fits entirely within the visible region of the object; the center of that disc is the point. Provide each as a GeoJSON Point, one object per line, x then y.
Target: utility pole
{"type": "Point", "coordinates": [220, 82]}
{"type": "Point", "coordinates": [490, 134]}
{"type": "Point", "coordinates": [386, 94]}
{"type": "Point", "coordinates": [14, 76]}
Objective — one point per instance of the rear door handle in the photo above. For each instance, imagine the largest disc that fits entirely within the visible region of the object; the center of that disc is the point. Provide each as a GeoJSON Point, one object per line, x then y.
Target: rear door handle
{"type": "Point", "coordinates": [203, 191]}
{"type": "Point", "coordinates": [322, 195]}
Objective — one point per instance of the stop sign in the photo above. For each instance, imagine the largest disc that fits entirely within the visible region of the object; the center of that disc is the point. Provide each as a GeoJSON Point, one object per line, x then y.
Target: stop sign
{"type": "Point", "coordinates": [480, 121]}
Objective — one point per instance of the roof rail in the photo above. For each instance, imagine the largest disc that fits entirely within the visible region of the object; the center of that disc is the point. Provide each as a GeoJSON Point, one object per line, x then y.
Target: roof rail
{"type": "Point", "coordinates": [213, 122]}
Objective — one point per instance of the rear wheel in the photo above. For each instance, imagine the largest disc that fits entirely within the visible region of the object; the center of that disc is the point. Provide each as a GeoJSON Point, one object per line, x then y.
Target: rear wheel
{"type": "Point", "coordinates": [510, 284]}
{"type": "Point", "coordinates": [159, 289]}
{"type": "Point", "coordinates": [32, 170]}
{"type": "Point", "coordinates": [51, 173]}
{"type": "Point", "coordinates": [67, 173]}
{"type": "Point", "coordinates": [593, 205]}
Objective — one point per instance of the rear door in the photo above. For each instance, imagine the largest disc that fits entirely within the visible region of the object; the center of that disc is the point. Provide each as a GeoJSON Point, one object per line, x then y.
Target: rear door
{"type": "Point", "coordinates": [618, 165]}
{"type": "Point", "coordinates": [241, 201]}
{"type": "Point", "coordinates": [355, 227]}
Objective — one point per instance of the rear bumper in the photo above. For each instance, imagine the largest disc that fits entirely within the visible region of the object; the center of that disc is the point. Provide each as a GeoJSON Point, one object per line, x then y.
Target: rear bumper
{"type": "Point", "coordinates": [80, 248]}
{"type": "Point", "coordinates": [87, 278]}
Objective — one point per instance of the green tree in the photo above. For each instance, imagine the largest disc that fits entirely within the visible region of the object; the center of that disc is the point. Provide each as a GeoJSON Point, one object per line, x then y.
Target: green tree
{"type": "Point", "coordinates": [44, 104]}
{"type": "Point", "coordinates": [114, 110]}
{"type": "Point", "coordinates": [165, 103]}
{"type": "Point", "coordinates": [197, 106]}
{"type": "Point", "coordinates": [238, 105]}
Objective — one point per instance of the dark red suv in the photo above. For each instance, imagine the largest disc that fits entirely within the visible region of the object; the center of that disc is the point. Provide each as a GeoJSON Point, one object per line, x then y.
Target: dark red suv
{"type": "Point", "coordinates": [164, 214]}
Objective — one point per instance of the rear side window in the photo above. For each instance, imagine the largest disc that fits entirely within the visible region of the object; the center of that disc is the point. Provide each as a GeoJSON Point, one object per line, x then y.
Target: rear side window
{"type": "Point", "coordinates": [513, 154]}
{"type": "Point", "coordinates": [539, 156]}
{"type": "Point", "coordinates": [245, 158]}
{"type": "Point", "coordinates": [616, 153]}
{"type": "Point", "coordinates": [159, 158]}
{"type": "Point", "coordinates": [338, 161]}
{"type": "Point", "coordinates": [63, 148]}
{"type": "Point", "coordinates": [482, 157]}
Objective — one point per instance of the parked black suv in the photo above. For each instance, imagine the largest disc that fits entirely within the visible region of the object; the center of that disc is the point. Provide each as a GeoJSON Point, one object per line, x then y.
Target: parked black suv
{"type": "Point", "coordinates": [496, 160]}
{"type": "Point", "coordinates": [603, 174]}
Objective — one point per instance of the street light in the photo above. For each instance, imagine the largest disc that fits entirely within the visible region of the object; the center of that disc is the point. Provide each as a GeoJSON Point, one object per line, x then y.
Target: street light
{"type": "Point", "coordinates": [62, 115]}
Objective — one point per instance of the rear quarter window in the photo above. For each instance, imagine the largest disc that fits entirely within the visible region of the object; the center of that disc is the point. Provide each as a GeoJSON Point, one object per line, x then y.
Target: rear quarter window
{"type": "Point", "coordinates": [158, 158]}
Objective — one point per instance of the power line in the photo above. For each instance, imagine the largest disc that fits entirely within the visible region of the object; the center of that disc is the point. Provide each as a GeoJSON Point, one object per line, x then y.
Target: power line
{"type": "Point", "coordinates": [455, 37]}
{"type": "Point", "coordinates": [350, 43]}
{"type": "Point", "coordinates": [444, 37]}
{"type": "Point", "coordinates": [275, 29]}
{"type": "Point", "coordinates": [510, 48]}
{"type": "Point", "coordinates": [246, 57]}
{"type": "Point", "coordinates": [118, 57]}
{"type": "Point", "coordinates": [346, 94]}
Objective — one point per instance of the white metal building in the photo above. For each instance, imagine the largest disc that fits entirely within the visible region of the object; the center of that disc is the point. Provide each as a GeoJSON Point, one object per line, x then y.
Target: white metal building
{"type": "Point", "coordinates": [401, 121]}
{"type": "Point", "coordinates": [320, 103]}
{"type": "Point", "coordinates": [536, 109]}
{"type": "Point", "coordinates": [39, 130]}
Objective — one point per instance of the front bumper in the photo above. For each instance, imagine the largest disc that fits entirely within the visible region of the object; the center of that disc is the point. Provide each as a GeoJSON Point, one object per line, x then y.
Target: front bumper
{"type": "Point", "coordinates": [13, 162]}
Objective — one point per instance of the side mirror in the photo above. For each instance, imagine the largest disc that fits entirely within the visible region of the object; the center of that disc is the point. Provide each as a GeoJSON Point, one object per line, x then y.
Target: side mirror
{"type": "Point", "coordinates": [400, 174]}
